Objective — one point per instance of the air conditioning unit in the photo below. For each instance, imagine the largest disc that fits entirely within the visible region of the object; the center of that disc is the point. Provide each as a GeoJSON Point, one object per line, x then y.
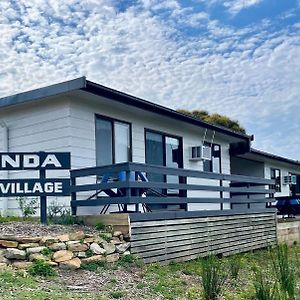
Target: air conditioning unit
{"type": "Point", "coordinates": [290, 179]}
{"type": "Point", "coordinates": [201, 152]}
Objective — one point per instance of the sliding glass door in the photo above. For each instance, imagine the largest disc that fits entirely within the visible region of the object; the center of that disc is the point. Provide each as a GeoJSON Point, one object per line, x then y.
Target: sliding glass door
{"type": "Point", "coordinates": [164, 150]}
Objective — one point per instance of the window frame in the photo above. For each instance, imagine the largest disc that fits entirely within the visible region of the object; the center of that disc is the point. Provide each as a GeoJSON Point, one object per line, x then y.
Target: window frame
{"type": "Point", "coordinates": [276, 186]}
{"type": "Point", "coordinates": [211, 161]}
{"type": "Point", "coordinates": [112, 121]}
{"type": "Point", "coordinates": [164, 135]}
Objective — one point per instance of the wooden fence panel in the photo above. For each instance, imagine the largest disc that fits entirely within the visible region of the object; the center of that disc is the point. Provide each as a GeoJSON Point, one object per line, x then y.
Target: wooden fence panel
{"type": "Point", "coordinates": [188, 238]}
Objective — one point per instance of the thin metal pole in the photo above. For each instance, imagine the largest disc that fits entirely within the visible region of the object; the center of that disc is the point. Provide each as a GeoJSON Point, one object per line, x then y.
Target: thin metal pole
{"type": "Point", "coordinates": [43, 201]}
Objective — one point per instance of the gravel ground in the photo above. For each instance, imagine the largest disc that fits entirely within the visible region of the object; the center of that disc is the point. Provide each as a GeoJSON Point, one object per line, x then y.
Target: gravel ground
{"type": "Point", "coordinates": [36, 229]}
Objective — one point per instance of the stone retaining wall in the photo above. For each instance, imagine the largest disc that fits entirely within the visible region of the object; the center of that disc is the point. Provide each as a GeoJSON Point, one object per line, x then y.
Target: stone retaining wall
{"type": "Point", "coordinates": [67, 251]}
{"type": "Point", "coordinates": [288, 231]}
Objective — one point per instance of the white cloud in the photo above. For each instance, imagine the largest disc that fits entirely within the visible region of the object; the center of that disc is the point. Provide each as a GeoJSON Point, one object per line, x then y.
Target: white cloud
{"type": "Point", "coordinates": [235, 6]}
{"type": "Point", "coordinates": [251, 74]}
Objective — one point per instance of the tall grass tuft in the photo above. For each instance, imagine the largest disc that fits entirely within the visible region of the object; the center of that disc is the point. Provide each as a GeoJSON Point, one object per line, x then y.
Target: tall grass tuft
{"type": "Point", "coordinates": [235, 265]}
{"type": "Point", "coordinates": [213, 277]}
{"type": "Point", "coordinates": [284, 271]}
{"type": "Point", "coordinates": [264, 290]}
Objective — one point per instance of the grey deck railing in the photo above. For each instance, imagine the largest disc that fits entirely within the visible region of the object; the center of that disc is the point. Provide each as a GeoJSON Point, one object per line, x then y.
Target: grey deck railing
{"type": "Point", "coordinates": [133, 187]}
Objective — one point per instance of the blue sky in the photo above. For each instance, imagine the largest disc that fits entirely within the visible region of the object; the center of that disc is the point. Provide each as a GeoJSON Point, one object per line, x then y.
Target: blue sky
{"type": "Point", "coordinates": [240, 58]}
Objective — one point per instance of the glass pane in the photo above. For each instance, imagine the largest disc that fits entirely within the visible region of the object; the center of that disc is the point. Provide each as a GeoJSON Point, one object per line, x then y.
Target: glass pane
{"type": "Point", "coordinates": [103, 142]}
{"type": "Point", "coordinates": [154, 149]}
{"type": "Point", "coordinates": [155, 156]}
{"type": "Point", "coordinates": [122, 142]}
{"type": "Point", "coordinates": [172, 160]}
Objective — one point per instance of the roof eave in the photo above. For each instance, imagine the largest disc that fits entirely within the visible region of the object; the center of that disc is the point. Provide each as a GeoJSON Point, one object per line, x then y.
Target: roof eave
{"type": "Point", "coordinates": [274, 157]}
{"type": "Point", "coordinates": [44, 92]}
{"type": "Point", "coordinates": [149, 106]}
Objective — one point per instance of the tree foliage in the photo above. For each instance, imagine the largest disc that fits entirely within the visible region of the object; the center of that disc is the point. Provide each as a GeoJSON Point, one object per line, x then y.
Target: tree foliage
{"type": "Point", "coordinates": [215, 119]}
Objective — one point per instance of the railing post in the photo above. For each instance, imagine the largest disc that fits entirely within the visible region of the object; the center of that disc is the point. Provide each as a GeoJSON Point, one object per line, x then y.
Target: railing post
{"type": "Point", "coordinates": [73, 196]}
{"type": "Point", "coordinates": [221, 196]}
{"type": "Point", "coordinates": [127, 189]}
{"type": "Point", "coordinates": [248, 195]}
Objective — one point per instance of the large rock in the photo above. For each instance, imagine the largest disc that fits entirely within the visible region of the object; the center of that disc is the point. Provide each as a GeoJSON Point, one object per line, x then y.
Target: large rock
{"type": "Point", "coordinates": [3, 265]}
{"type": "Point", "coordinates": [94, 258]}
{"type": "Point", "coordinates": [48, 240]}
{"type": "Point", "coordinates": [37, 256]}
{"type": "Point", "coordinates": [112, 257]}
{"type": "Point", "coordinates": [79, 235]}
{"type": "Point", "coordinates": [13, 253]}
{"type": "Point", "coordinates": [20, 238]}
{"type": "Point", "coordinates": [126, 253]}
{"type": "Point", "coordinates": [78, 247]}
{"type": "Point", "coordinates": [71, 264]}
{"type": "Point", "coordinates": [35, 249]}
{"type": "Point", "coordinates": [109, 247]}
{"type": "Point", "coordinates": [115, 241]}
{"type": "Point", "coordinates": [122, 247]}
{"type": "Point", "coordinates": [27, 239]}
{"type": "Point", "coordinates": [3, 259]}
{"type": "Point", "coordinates": [117, 233]}
{"type": "Point", "coordinates": [58, 246]}
{"type": "Point", "coordinates": [63, 238]}
{"type": "Point", "coordinates": [80, 254]}
{"type": "Point", "coordinates": [99, 240]}
{"type": "Point", "coordinates": [28, 245]}
{"type": "Point", "coordinates": [96, 249]}
{"type": "Point", "coordinates": [89, 240]}
{"type": "Point", "coordinates": [22, 264]}
{"type": "Point", "coordinates": [8, 244]}
{"type": "Point", "coordinates": [62, 255]}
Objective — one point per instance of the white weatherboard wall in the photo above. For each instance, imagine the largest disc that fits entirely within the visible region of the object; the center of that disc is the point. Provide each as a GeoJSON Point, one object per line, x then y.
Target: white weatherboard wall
{"type": "Point", "coordinates": [285, 170]}
{"type": "Point", "coordinates": [40, 126]}
{"type": "Point", "coordinates": [83, 143]}
{"type": "Point", "coordinates": [67, 124]}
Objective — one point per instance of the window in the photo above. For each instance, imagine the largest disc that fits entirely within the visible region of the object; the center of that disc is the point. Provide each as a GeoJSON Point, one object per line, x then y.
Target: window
{"type": "Point", "coordinates": [276, 175]}
{"type": "Point", "coordinates": [113, 141]}
{"type": "Point", "coordinates": [295, 188]}
{"type": "Point", "coordinates": [213, 165]}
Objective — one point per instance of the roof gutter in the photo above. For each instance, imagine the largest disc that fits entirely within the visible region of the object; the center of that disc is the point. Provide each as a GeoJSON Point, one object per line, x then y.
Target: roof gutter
{"type": "Point", "coordinates": [49, 91]}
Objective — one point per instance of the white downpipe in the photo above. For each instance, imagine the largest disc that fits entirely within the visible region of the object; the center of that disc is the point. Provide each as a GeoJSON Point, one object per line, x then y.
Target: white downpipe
{"type": "Point", "coordinates": [5, 148]}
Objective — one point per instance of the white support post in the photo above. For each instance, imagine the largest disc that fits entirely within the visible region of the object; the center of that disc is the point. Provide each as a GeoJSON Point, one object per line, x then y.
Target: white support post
{"type": "Point", "coordinates": [4, 147]}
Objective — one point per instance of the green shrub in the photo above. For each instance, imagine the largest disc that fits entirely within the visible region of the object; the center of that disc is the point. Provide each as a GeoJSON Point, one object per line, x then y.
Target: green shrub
{"type": "Point", "coordinates": [28, 207]}
{"type": "Point", "coordinates": [235, 265]}
{"type": "Point", "coordinates": [93, 266]}
{"type": "Point", "coordinates": [99, 226]}
{"type": "Point", "coordinates": [117, 294]}
{"type": "Point", "coordinates": [4, 219]}
{"type": "Point", "coordinates": [47, 252]}
{"type": "Point", "coordinates": [41, 268]}
{"type": "Point", "coordinates": [284, 271]}
{"type": "Point", "coordinates": [105, 236]}
{"type": "Point", "coordinates": [213, 277]}
{"type": "Point", "coordinates": [58, 214]}
{"type": "Point", "coordinates": [89, 253]}
{"type": "Point", "coordinates": [127, 259]}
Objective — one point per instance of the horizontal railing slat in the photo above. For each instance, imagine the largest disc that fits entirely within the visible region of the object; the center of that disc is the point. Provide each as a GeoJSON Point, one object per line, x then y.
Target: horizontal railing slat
{"type": "Point", "coordinates": [165, 200]}
{"type": "Point", "coordinates": [146, 168]}
{"type": "Point", "coordinates": [165, 185]}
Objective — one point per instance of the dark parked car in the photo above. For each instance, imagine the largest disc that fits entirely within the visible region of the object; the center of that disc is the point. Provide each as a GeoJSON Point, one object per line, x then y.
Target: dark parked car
{"type": "Point", "coordinates": [288, 206]}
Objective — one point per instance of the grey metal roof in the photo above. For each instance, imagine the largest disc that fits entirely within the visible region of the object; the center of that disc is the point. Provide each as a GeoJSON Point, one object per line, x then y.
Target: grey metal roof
{"type": "Point", "coordinates": [83, 84]}
{"type": "Point", "coordinates": [271, 156]}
